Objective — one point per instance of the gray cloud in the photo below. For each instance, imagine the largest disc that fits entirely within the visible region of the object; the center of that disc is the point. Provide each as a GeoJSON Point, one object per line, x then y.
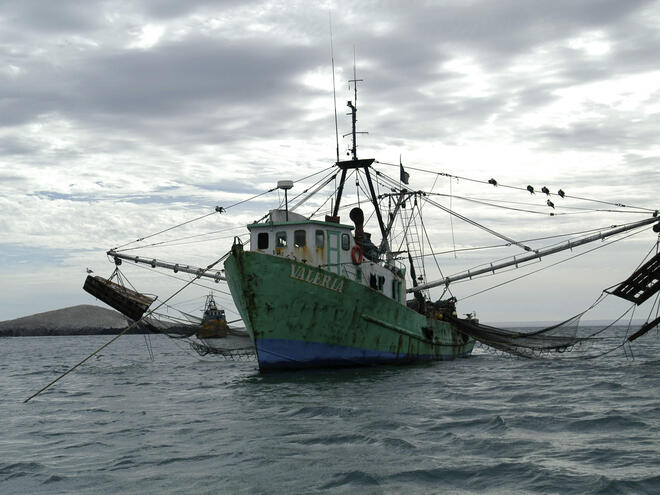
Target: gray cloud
{"type": "Point", "coordinates": [101, 126]}
{"type": "Point", "coordinates": [33, 16]}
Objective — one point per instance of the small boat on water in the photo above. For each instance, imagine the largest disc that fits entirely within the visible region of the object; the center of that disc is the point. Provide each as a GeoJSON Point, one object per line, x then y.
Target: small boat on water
{"type": "Point", "coordinates": [214, 323]}
{"type": "Point", "coordinates": [217, 337]}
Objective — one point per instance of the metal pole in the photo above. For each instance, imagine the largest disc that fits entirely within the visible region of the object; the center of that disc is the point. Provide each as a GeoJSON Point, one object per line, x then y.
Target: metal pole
{"type": "Point", "coordinates": [536, 255]}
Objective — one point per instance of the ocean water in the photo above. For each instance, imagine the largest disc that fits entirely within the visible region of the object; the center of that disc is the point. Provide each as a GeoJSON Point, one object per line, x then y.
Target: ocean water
{"type": "Point", "coordinates": [123, 423]}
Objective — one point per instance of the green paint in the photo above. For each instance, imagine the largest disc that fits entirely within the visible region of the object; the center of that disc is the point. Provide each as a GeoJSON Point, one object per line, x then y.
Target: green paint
{"type": "Point", "coordinates": [283, 299]}
{"type": "Point", "coordinates": [334, 254]}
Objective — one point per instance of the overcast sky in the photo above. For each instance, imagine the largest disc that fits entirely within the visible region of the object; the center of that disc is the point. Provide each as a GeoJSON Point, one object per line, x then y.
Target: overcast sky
{"type": "Point", "coordinates": [119, 119]}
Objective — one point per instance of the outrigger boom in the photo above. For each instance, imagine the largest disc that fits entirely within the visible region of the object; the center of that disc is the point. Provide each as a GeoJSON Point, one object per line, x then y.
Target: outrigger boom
{"type": "Point", "coordinates": [215, 275]}
{"type": "Point", "coordinates": [537, 254]}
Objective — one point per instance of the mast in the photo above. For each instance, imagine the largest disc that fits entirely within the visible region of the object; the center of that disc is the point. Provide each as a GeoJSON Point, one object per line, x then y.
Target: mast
{"type": "Point", "coordinates": [537, 254]}
{"type": "Point", "coordinates": [356, 163]}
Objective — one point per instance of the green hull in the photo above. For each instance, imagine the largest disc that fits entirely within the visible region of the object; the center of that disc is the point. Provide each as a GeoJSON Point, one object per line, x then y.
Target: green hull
{"type": "Point", "coordinates": [300, 316]}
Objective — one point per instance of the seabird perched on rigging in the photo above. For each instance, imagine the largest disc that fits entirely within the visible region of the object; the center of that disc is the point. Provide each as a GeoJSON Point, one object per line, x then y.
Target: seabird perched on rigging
{"type": "Point", "coordinates": [492, 181]}
{"type": "Point", "coordinates": [530, 189]}
{"type": "Point", "coordinates": [545, 190]}
{"type": "Point", "coordinates": [550, 204]}
{"type": "Point", "coordinates": [561, 193]}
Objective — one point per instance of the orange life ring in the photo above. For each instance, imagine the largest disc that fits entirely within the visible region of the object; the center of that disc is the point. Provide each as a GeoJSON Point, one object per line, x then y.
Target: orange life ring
{"type": "Point", "coordinates": [356, 255]}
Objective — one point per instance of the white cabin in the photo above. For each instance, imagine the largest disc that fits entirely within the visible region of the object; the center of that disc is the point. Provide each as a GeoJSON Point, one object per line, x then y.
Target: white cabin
{"type": "Point", "coordinates": [326, 245]}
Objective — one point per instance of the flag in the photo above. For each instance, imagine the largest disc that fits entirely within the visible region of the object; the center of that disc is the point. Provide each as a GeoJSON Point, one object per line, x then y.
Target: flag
{"type": "Point", "coordinates": [403, 175]}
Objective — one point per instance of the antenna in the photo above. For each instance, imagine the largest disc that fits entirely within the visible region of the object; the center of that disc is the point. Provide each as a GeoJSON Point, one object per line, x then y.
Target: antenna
{"type": "Point", "coordinates": [355, 79]}
{"type": "Point", "coordinates": [353, 108]}
{"type": "Point", "coordinates": [334, 89]}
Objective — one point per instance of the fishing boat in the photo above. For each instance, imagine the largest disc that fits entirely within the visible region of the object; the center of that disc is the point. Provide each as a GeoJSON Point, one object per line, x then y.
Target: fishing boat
{"type": "Point", "coordinates": [215, 336]}
{"type": "Point", "coordinates": [318, 292]}
{"type": "Point", "coordinates": [214, 323]}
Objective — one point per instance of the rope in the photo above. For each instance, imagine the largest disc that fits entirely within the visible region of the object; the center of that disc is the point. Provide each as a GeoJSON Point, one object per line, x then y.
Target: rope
{"type": "Point", "coordinates": [478, 225]}
{"type": "Point", "coordinates": [515, 187]}
{"type": "Point", "coordinates": [171, 241]}
{"type": "Point", "coordinates": [167, 230]}
{"type": "Point", "coordinates": [148, 313]}
{"type": "Point", "coordinates": [550, 266]}
{"type": "Point", "coordinates": [218, 209]}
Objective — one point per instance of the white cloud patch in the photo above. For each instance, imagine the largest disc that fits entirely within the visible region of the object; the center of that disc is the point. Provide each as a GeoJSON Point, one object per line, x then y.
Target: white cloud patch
{"type": "Point", "coordinates": [119, 120]}
{"type": "Point", "coordinates": [147, 37]}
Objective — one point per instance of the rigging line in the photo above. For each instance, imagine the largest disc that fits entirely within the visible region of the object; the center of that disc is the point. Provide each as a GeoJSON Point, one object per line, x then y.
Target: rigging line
{"type": "Point", "coordinates": [312, 186]}
{"type": "Point", "coordinates": [479, 248]}
{"type": "Point", "coordinates": [174, 244]}
{"type": "Point", "coordinates": [404, 234]}
{"type": "Point", "coordinates": [393, 183]}
{"type": "Point", "coordinates": [451, 217]}
{"type": "Point", "coordinates": [515, 187]}
{"type": "Point", "coordinates": [544, 247]}
{"type": "Point", "coordinates": [485, 203]}
{"type": "Point", "coordinates": [275, 188]}
{"type": "Point", "coordinates": [632, 314]}
{"type": "Point", "coordinates": [322, 184]}
{"type": "Point", "coordinates": [450, 251]}
{"type": "Point", "coordinates": [428, 240]}
{"type": "Point", "coordinates": [161, 243]}
{"type": "Point", "coordinates": [638, 266]}
{"type": "Point", "coordinates": [167, 230]}
{"type": "Point", "coordinates": [181, 279]}
{"type": "Point", "coordinates": [476, 224]}
{"type": "Point", "coordinates": [655, 246]}
{"type": "Point", "coordinates": [657, 305]}
{"type": "Point", "coordinates": [332, 195]}
{"type": "Point", "coordinates": [377, 192]}
{"type": "Point", "coordinates": [387, 181]}
{"type": "Point", "coordinates": [493, 202]}
{"type": "Point", "coordinates": [148, 313]}
{"type": "Point", "coordinates": [610, 325]}
{"type": "Point", "coordinates": [334, 87]}
{"type": "Point", "coordinates": [554, 264]}
{"type": "Point", "coordinates": [365, 192]}
{"type": "Point", "coordinates": [315, 173]}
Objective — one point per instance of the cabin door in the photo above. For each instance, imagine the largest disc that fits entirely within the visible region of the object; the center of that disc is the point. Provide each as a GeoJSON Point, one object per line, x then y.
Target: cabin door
{"type": "Point", "coordinates": [333, 251]}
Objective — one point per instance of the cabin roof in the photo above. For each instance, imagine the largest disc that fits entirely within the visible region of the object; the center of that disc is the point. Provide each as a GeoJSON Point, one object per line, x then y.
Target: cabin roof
{"type": "Point", "coordinates": [300, 222]}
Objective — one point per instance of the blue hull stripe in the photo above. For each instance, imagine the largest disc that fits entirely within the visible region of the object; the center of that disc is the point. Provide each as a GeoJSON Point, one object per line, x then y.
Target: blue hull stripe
{"type": "Point", "coordinates": [289, 354]}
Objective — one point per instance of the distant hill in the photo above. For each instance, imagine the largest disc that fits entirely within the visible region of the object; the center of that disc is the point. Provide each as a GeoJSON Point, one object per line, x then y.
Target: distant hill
{"type": "Point", "coordinates": [84, 319]}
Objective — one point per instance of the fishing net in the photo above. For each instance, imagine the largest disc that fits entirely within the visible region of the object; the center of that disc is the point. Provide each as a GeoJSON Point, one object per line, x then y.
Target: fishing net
{"type": "Point", "coordinates": [642, 284]}
{"type": "Point", "coordinates": [558, 338]}
{"type": "Point", "coordinates": [234, 354]}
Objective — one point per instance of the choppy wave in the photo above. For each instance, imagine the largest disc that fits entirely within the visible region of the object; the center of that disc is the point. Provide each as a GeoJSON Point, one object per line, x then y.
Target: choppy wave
{"type": "Point", "coordinates": [180, 424]}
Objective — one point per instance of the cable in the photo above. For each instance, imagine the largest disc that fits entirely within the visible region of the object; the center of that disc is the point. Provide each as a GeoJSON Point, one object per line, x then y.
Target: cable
{"type": "Point", "coordinates": [514, 187]}
{"type": "Point", "coordinates": [166, 230]}
{"type": "Point", "coordinates": [553, 264]}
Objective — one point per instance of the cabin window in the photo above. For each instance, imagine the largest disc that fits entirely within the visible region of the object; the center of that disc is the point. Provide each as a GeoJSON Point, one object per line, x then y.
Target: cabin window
{"type": "Point", "coordinates": [381, 282]}
{"type": "Point", "coordinates": [345, 242]}
{"type": "Point", "coordinates": [320, 239]}
{"type": "Point", "coordinates": [396, 290]}
{"type": "Point", "coordinates": [262, 240]}
{"type": "Point", "coordinates": [280, 240]}
{"type": "Point", "coordinates": [299, 238]}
